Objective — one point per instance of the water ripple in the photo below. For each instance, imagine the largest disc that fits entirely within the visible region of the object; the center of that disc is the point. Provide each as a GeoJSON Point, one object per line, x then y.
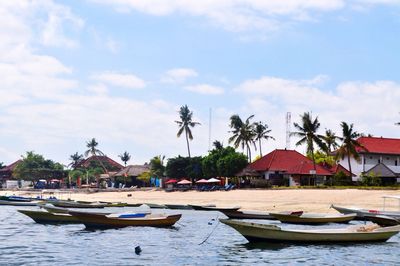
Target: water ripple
{"type": "Point", "coordinates": [23, 242]}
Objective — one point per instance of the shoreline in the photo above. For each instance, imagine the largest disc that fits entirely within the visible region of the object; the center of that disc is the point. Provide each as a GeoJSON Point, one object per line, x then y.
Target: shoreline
{"type": "Point", "coordinates": [310, 200]}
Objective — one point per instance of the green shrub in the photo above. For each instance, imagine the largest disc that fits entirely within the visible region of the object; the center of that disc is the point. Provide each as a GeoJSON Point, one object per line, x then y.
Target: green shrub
{"type": "Point", "coordinates": [370, 180]}
{"type": "Point", "coordinates": [341, 179]}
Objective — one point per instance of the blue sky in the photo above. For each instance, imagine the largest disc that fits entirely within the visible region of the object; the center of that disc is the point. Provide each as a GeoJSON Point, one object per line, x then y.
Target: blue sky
{"type": "Point", "coordinates": [119, 71]}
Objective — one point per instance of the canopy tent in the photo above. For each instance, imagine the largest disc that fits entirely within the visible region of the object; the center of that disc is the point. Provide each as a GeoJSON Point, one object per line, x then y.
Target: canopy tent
{"type": "Point", "coordinates": [213, 180]}
{"type": "Point", "coordinates": [201, 181]}
{"type": "Point", "coordinates": [184, 182]}
{"type": "Point", "coordinates": [171, 181]}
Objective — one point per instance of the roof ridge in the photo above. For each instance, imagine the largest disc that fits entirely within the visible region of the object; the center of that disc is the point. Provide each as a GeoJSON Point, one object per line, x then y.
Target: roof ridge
{"type": "Point", "coordinates": [366, 137]}
{"type": "Point", "coordinates": [273, 157]}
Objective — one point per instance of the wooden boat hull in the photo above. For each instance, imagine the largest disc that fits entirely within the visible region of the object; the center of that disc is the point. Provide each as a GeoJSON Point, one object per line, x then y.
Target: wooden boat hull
{"type": "Point", "coordinates": [16, 198]}
{"type": "Point", "coordinates": [43, 217]}
{"type": "Point", "coordinates": [221, 209]}
{"type": "Point", "coordinates": [382, 220]}
{"type": "Point", "coordinates": [362, 212]}
{"type": "Point", "coordinates": [247, 215]}
{"type": "Point", "coordinates": [114, 204]}
{"type": "Point", "coordinates": [18, 203]}
{"type": "Point", "coordinates": [72, 204]}
{"type": "Point", "coordinates": [134, 204]}
{"type": "Point", "coordinates": [53, 209]}
{"type": "Point", "coordinates": [313, 218]}
{"type": "Point", "coordinates": [155, 206]}
{"type": "Point", "coordinates": [91, 220]}
{"type": "Point", "coordinates": [270, 233]}
{"type": "Point", "coordinates": [178, 207]}
{"type": "Point", "coordinates": [203, 207]}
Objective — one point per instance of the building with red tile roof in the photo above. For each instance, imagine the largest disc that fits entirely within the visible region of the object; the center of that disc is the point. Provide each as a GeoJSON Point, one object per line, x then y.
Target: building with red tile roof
{"type": "Point", "coordinates": [108, 163]}
{"type": "Point", "coordinates": [6, 172]}
{"type": "Point", "coordinates": [279, 165]}
{"type": "Point", "coordinates": [377, 151]}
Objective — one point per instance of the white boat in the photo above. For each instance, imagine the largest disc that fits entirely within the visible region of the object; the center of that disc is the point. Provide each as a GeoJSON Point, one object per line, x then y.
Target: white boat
{"type": "Point", "coordinates": [365, 212]}
{"type": "Point", "coordinates": [18, 203]}
{"type": "Point", "coordinates": [247, 214]}
{"type": "Point", "coordinates": [255, 232]}
{"type": "Point", "coordinates": [362, 212]}
{"type": "Point", "coordinates": [312, 218]}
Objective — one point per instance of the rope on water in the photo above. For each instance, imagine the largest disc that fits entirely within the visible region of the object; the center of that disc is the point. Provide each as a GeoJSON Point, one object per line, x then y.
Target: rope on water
{"type": "Point", "coordinates": [212, 231]}
{"type": "Point", "coordinates": [181, 224]}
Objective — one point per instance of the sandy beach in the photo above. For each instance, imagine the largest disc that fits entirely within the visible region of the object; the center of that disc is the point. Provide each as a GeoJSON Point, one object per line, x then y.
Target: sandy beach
{"type": "Point", "coordinates": [313, 200]}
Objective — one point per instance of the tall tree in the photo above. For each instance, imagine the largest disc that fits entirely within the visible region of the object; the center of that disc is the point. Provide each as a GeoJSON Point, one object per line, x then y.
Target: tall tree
{"type": "Point", "coordinates": [223, 162]}
{"type": "Point", "coordinates": [34, 167]}
{"type": "Point", "coordinates": [243, 134]}
{"type": "Point", "coordinates": [94, 151]}
{"type": "Point", "coordinates": [185, 124]}
{"type": "Point", "coordinates": [262, 132]}
{"type": "Point", "coordinates": [76, 159]}
{"type": "Point", "coordinates": [157, 167]}
{"type": "Point", "coordinates": [349, 144]}
{"type": "Point", "coordinates": [330, 140]}
{"type": "Point", "coordinates": [125, 157]}
{"type": "Point", "coordinates": [307, 131]}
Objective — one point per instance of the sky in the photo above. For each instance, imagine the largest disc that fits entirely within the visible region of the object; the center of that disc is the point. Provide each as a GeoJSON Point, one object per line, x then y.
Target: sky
{"type": "Point", "coordinates": [119, 70]}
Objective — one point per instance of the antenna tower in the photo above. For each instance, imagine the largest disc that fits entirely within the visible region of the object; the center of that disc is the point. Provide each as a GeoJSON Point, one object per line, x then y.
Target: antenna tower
{"type": "Point", "coordinates": [209, 130]}
{"type": "Point", "coordinates": [288, 122]}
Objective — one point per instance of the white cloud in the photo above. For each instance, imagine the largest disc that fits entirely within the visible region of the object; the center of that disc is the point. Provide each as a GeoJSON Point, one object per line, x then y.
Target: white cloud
{"type": "Point", "coordinates": [205, 89]}
{"type": "Point", "coordinates": [354, 102]}
{"type": "Point", "coordinates": [178, 75]}
{"type": "Point", "coordinates": [120, 80]}
{"type": "Point", "coordinates": [112, 45]}
{"type": "Point", "coordinates": [59, 19]}
{"type": "Point", "coordinates": [99, 89]}
{"type": "Point", "coordinates": [233, 15]}
{"type": "Point", "coordinates": [26, 22]}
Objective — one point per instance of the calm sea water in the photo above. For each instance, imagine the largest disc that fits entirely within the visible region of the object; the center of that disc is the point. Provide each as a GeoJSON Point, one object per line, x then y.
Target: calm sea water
{"type": "Point", "coordinates": [23, 242]}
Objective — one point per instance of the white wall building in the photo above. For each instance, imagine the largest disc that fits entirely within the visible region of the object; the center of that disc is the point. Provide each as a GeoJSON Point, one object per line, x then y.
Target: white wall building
{"type": "Point", "coordinates": [382, 156]}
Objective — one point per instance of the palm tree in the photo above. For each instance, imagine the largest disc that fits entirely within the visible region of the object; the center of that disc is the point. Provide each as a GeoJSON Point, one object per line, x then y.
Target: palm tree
{"type": "Point", "coordinates": [185, 124]}
{"type": "Point", "coordinates": [307, 131]}
{"type": "Point", "coordinates": [330, 141]}
{"type": "Point", "coordinates": [76, 159]}
{"type": "Point", "coordinates": [218, 145]}
{"type": "Point", "coordinates": [262, 132]}
{"type": "Point", "coordinates": [125, 157]}
{"type": "Point", "coordinates": [92, 145]}
{"type": "Point", "coordinates": [349, 144]}
{"type": "Point", "coordinates": [243, 134]}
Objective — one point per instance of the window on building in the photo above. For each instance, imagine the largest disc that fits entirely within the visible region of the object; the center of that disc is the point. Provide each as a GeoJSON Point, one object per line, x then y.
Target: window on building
{"type": "Point", "coordinates": [395, 162]}
{"type": "Point", "coordinates": [379, 160]}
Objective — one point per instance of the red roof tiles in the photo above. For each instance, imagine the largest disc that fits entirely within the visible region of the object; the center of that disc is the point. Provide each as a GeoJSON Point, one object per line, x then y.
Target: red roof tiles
{"type": "Point", "coordinates": [379, 145]}
{"type": "Point", "coordinates": [289, 161]}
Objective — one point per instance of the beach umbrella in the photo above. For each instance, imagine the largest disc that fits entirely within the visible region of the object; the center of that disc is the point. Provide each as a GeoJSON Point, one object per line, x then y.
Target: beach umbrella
{"type": "Point", "coordinates": [171, 181]}
{"type": "Point", "coordinates": [213, 180]}
{"type": "Point", "coordinates": [201, 181]}
{"type": "Point", "coordinates": [184, 182]}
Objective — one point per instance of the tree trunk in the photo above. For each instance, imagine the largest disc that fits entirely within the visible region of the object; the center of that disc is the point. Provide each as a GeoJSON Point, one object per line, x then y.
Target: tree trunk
{"type": "Point", "coordinates": [314, 165]}
{"type": "Point", "coordinates": [187, 142]}
{"type": "Point", "coordinates": [259, 144]}
{"type": "Point", "coordinates": [348, 161]}
{"type": "Point", "coordinates": [248, 153]}
{"type": "Point", "coordinates": [101, 163]}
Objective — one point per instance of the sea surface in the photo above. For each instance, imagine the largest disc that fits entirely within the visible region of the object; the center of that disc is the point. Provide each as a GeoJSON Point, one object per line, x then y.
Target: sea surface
{"type": "Point", "coordinates": [197, 239]}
